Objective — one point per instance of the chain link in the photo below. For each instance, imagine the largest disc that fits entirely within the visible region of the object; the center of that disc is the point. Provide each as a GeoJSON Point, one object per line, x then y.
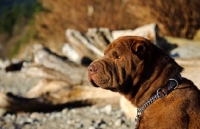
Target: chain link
{"type": "Point", "coordinates": [173, 83]}
{"type": "Point", "coordinates": [150, 101]}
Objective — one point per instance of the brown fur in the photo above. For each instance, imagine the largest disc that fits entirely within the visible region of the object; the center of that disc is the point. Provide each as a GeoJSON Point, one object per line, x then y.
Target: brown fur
{"type": "Point", "coordinates": [136, 68]}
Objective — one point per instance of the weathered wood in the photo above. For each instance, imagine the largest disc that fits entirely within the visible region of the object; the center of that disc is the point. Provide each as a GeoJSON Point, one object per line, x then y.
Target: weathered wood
{"type": "Point", "coordinates": [57, 66]}
{"type": "Point", "coordinates": [149, 31]}
{"type": "Point", "coordinates": [72, 55]}
{"type": "Point", "coordinates": [82, 45]}
{"type": "Point", "coordinates": [100, 38]}
{"type": "Point", "coordinates": [49, 95]}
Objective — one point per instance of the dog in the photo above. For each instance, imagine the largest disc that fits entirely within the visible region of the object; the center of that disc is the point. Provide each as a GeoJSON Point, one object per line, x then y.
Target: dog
{"type": "Point", "coordinates": [151, 81]}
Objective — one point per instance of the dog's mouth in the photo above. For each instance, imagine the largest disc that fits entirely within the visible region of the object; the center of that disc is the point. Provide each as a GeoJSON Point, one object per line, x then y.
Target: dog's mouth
{"type": "Point", "coordinates": [93, 83]}
{"type": "Point", "coordinates": [111, 89]}
{"type": "Point", "coordinates": [107, 88]}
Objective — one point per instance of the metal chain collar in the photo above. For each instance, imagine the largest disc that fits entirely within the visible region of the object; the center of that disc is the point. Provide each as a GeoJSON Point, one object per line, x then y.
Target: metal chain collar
{"type": "Point", "coordinates": [160, 93]}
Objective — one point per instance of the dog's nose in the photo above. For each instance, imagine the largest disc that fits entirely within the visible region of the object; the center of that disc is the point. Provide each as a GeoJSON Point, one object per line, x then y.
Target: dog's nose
{"type": "Point", "coordinates": [92, 69]}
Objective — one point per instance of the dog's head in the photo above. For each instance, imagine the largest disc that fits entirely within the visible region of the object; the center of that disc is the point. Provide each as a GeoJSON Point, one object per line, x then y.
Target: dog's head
{"type": "Point", "coordinates": [128, 62]}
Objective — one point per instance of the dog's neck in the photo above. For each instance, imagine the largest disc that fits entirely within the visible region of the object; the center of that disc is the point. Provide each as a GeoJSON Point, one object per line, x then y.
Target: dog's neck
{"type": "Point", "coordinates": [143, 90]}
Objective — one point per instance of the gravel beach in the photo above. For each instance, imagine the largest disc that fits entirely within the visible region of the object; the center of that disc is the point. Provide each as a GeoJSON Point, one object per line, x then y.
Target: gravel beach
{"type": "Point", "coordinates": [89, 117]}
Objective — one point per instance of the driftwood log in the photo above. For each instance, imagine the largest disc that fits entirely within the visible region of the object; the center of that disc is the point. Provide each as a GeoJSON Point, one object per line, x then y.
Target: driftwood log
{"type": "Point", "coordinates": [64, 78]}
{"type": "Point", "coordinates": [64, 83]}
{"type": "Point", "coordinates": [48, 100]}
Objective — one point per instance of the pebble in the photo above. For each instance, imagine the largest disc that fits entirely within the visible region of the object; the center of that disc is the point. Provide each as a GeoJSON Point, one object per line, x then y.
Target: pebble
{"type": "Point", "coordinates": [96, 111]}
{"type": "Point", "coordinates": [118, 122]}
{"type": "Point", "coordinates": [64, 111]}
{"type": "Point", "coordinates": [79, 125]}
{"type": "Point", "coordinates": [91, 127]}
{"type": "Point", "coordinates": [2, 111]}
{"type": "Point", "coordinates": [103, 126]}
{"type": "Point", "coordinates": [28, 121]}
{"type": "Point", "coordinates": [107, 109]}
{"type": "Point", "coordinates": [99, 122]}
{"type": "Point", "coordinates": [37, 115]}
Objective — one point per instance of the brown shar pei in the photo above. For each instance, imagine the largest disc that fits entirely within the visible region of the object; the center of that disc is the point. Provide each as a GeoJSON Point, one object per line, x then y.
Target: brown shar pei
{"type": "Point", "coordinates": [151, 81]}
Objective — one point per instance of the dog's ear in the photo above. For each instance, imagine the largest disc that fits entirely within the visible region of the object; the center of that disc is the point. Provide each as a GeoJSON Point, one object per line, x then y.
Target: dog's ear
{"type": "Point", "coordinates": [139, 49]}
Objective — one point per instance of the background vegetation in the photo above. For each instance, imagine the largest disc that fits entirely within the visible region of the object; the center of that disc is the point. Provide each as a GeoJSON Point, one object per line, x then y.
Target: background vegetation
{"type": "Point", "coordinates": [45, 21]}
{"type": "Point", "coordinates": [16, 13]}
{"type": "Point", "coordinates": [180, 18]}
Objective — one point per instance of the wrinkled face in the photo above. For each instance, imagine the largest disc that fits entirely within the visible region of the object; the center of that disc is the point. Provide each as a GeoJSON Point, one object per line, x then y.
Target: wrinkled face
{"type": "Point", "coordinates": [121, 65]}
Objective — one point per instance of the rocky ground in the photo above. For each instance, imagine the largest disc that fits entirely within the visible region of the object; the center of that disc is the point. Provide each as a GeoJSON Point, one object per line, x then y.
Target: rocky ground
{"type": "Point", "coordinates": [107, 117]}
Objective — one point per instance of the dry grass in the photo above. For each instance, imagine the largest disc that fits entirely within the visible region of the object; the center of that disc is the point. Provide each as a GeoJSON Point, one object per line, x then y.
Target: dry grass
{"type": "Point", "coordinates": [81, 15]}
{"type": "Point", "coordinates": [180, 18]}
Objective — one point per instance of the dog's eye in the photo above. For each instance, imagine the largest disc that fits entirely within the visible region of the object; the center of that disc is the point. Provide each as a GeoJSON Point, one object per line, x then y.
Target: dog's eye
{"type": "Point", "coordinates": [118, 57]}
{"type": "Point", "coordinates": [115, 55]}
